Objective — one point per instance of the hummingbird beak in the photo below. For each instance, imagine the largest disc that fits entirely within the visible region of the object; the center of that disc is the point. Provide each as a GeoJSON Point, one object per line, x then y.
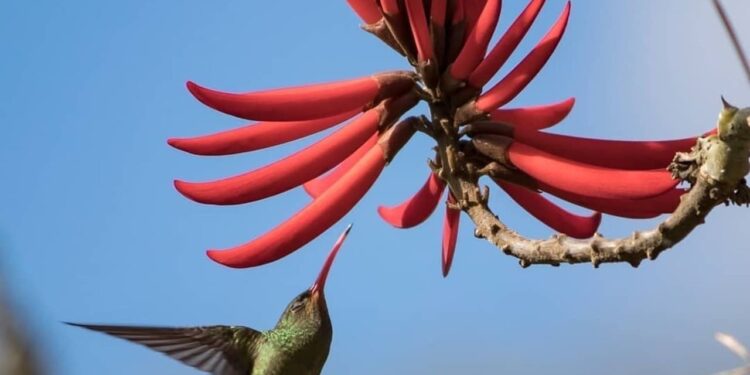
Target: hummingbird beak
{"type": "Point", "coordinates": [320, 282]}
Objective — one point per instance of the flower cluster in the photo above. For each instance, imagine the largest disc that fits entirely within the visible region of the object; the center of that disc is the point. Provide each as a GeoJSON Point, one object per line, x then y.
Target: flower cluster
{"type": "Point", "coordinates": [448, 44]}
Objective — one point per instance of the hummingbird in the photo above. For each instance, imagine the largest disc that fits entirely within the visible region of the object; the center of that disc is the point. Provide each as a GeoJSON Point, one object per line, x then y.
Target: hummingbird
{"type": "Point", "coordinates": [298, 344]}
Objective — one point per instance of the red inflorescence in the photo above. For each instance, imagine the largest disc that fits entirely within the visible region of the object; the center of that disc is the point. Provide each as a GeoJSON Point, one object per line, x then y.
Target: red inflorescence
{"type": "Point", "coordinates": [447, 42]}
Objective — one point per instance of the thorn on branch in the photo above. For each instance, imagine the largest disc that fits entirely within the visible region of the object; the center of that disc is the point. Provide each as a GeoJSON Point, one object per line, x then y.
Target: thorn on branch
{"type": "Point", "coordinates": [477, 233]}
{"type": "Point", "coordinates": [424, 125]}
{"type": "Point", "coordinates": [435, 167]}
{"type": "Point", "coordinates": [740, 196]}
{"type": "Point", "coordinates": [484, 195]}
{"type": "Point", "coordinates": [634, 262]}
{"type": "Point", "coordinates": [465, 201]}
{"type": "Point", "coordinates": [506, 248]}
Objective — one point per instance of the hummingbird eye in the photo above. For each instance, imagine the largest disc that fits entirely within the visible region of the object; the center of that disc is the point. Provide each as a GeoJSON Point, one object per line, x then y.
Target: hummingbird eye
{"type": "Point", "coordinates": [298, 304]}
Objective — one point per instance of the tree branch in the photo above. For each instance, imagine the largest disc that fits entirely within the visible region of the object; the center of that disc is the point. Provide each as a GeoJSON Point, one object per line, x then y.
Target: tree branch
{"type": "Point", "coordinates": [715, 167]}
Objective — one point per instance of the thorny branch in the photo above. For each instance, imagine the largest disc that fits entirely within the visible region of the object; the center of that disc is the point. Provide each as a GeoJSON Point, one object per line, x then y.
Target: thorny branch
{"type": "Point", "coordinates": [715, 168]}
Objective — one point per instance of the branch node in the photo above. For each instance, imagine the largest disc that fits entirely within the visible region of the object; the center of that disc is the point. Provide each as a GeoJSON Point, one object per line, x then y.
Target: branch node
{"type": "Point", "coordinates": [714, 193]}
{"type": "Point", "coordinates": [634, 262]}
{"type": "Point", "coordinates": [453, 205]}
{"type": "Point", "coordinates": [636, 236]}
{"type": "Point", "coordinates": [619, 249]}
{"type": "Point", "coordinates": [506, 248]}
{"type": "Point", "coordinates": [559, 238]}
{"type": "Point", "coordinates": [464, 202]}
{"type": "Point", "coordinates": [484, 195]}
{"type": "Point", "coordinates": [594, 245]}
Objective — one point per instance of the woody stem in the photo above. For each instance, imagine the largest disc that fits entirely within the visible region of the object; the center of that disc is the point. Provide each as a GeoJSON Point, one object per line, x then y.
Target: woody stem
{"type": "Point", "coordinates": [705, 194]}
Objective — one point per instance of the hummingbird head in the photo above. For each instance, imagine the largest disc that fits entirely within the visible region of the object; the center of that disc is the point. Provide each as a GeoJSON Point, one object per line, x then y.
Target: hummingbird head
{"type": "Point", "coordinates": [309, 307]}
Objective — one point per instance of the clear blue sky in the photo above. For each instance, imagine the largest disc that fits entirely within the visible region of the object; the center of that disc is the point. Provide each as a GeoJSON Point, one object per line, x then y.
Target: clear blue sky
{"type": "Point", "coordinates": [92, 230]}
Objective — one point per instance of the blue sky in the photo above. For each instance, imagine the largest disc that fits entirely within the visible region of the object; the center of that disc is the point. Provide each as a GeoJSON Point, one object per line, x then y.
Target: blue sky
{"type": "Point", "coordinates": [92, 231]}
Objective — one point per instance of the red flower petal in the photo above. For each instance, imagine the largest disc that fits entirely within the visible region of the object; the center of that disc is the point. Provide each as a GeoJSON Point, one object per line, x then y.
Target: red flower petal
{"type": "Point", "coordinates": [630, 208]}
{"type": "Point", "coordinates": [473, 11]}
{"type": "Point", "coordinates": [635, 155]}
{"type": "Point", "coordinates": [438, 10]}
{"type": "Point", "coordinates": [551, 214]}
{"type": "Point", "coordinates": [305, 102]}
{"type": "Point", "coordinates": [506, 45]}
{"type": "Point", "coordinates": [367, 10]}
{"type": "Point", "coordinates": [256, 136]}
{"type": "Point", "coordinates": [286, 173]}
{"type": "Point", "coordinates": [476, 44]}
{"type": "Point", "coordinates": [585, 179]}
{"type": "Point", "coordinates": [318, 185]}
{"type": "Point", "coordinates": [450, 234]}
{"type": "Point", "coordinates": [311, 221]}
{"type": "Point", "coordinates": [390, 7]}
{"type": "Point", "coordinates": [536, 117]}
{"type": "Point", "coordinates": [322, 212]}
{"type": "Point", "coordinates": [510, 86]}
{"type": "Point", "coordinates": [418, 208]}
{"type": "Point", "coordinates": [419, 29]}
{"type": "Point", "coordinates": [459, 13]}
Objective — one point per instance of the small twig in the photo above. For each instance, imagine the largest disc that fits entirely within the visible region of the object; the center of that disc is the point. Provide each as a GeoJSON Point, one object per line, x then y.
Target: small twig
{"type": "Point", "coordinates": [733, 36]}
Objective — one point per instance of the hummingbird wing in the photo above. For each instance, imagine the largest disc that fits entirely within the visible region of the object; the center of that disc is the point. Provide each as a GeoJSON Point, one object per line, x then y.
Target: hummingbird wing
{"type": "Point", "coordinates": [219, 350]}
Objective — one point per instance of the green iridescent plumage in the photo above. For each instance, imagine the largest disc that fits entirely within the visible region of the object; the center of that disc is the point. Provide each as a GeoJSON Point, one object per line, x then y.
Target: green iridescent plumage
{"type": "Point", "coordinates": [297, 345]}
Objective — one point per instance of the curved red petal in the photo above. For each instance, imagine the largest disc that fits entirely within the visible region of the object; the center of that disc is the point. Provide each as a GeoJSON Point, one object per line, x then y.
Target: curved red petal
{"type": "Point", "coordinates": [630, 208]}
{"type": "Point", "coordinates": [459, 13]}
{"type": "Point", "coordinates": [318, 185]}
{"type": "Point", "coordinates": [635, 155]}
{"type": "Point", "coordinates": [286, 173]}
{"type": "Point", "coordinates": [450, 235]}
{"type": "Point", "coordinates": [506, 45]}
{"type": "Point", "coordinates": [390, 7]}
{"type": "Point", "coordinates": [590, 180]}
{"type": "Point", "coordinates": [476, 44]}
{"type": "Point", "coordinates": [551, 214]}
{"type": "Point", "coordinates": [438, 10]}
{"type": "Point", "coordinates": [512, 84]}
{"type": "Point", "coordinates": [367, 10]}
{"type": "Point", "coordinates": [420, 31]}
{"type": "Point", "coordinates": [535, 117]}
{"type": "Point", "coordinates": [304, 102]}
{"type": "Point", "coordinates": [256, 136]}
{"type": "Point", "coordinates": [311, 221]}
{"type": "Point", "coordinates": [473, 11]}
{"type": "Point", "coordinates": [418, 208]}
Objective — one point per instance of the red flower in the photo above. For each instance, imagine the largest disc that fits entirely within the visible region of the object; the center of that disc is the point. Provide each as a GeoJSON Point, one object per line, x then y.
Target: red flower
{"type": "Point", "coordinates": [448, 44]}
